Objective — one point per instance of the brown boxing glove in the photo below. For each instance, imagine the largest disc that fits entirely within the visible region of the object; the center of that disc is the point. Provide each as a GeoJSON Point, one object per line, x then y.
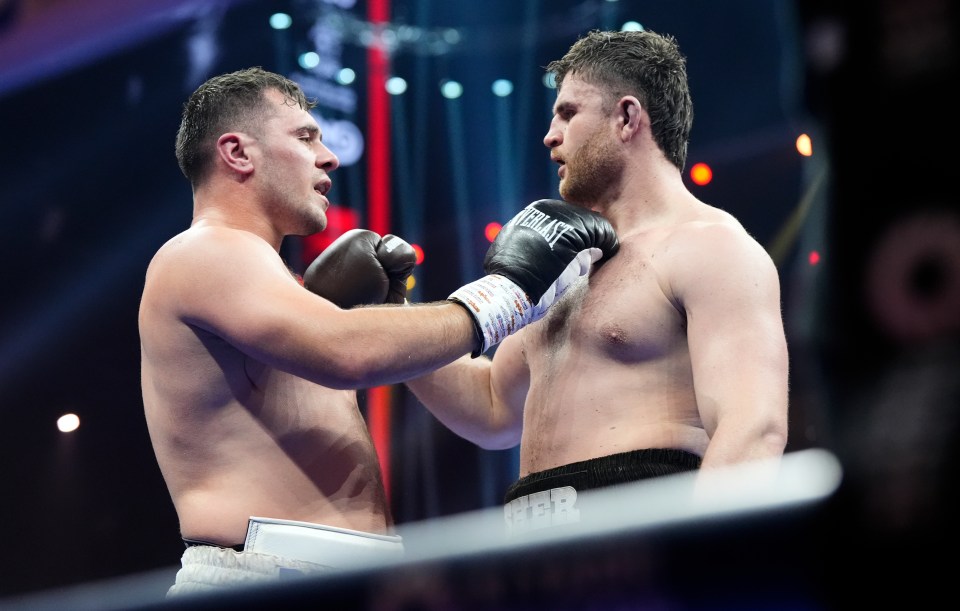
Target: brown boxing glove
{"type": "Point", "coordinates": [361, 268]}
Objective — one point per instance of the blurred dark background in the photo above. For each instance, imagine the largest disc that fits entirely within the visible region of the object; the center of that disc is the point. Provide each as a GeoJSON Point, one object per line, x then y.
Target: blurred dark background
{"type": "Point", "coordinates": [865, 232]}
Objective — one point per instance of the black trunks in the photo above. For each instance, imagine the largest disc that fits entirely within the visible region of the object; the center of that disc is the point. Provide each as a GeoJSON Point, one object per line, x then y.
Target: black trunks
{"type": "Point", "coordinates": [192, 542]}
{"type": "Point", "coordinates": [606, 471]}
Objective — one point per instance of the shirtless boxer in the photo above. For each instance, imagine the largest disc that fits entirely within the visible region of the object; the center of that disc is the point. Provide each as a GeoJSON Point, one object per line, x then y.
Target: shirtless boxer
{"type": "Point", "coordinates": [249, 380]}
{"type": "Point", "coordinates": [671, 356]}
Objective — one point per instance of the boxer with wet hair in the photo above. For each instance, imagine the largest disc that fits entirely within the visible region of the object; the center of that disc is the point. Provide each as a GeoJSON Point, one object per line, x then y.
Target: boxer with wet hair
{"type": "Point", "coordinates": [249, 381]}
{"type": "Point", "coordinates": [670, 357]}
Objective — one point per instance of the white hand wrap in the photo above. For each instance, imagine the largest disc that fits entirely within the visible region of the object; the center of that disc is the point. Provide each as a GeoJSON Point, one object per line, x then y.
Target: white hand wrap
{"type": "Point", "coordinates": [500, 307]}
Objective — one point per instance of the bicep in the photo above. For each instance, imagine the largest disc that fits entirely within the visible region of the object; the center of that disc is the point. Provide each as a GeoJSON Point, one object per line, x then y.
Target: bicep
{"type": "Point", "coordinates": [237, 288]}
{"type": "Point", "coordinates": [510, 378]}
{"type": "Point", "coordinates": [479, 399]}
{"type": "Point", "coordinates": [242, 293]}
{"type": "Point", "coordinates": [735, 334]}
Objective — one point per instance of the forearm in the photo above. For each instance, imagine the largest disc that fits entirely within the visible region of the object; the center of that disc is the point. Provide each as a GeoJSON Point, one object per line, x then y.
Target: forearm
{"type": "Point", "coordinates": [740, 465]}
{"type": "Point", "coordinates": [459, 395]}
{"type": "Point", "coordinates": [728, 448]}
{"type": "Point", "coordinates": [370, 346]}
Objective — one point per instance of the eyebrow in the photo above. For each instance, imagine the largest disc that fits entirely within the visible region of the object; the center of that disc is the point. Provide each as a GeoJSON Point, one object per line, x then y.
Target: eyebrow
{"type": "Point", "coordinates": [563, 106]}
{"type": "Point", "coordinates": [312, 130]}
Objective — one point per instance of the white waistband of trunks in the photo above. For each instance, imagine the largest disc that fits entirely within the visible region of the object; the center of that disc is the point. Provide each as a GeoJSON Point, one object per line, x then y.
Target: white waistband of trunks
{"type": "Point", "coordinates": [325, 545]}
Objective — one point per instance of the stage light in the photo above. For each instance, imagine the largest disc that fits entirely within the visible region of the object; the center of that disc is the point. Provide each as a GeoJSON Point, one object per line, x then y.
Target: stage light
{"type": "Point", "coordinates": [701, 174]}
{"type": "Point", "coordinates": [68, 423]}
{"type": "Point", "coordinates": [309, 60]}
{"type": "Point", "coordinates": [280, 21]}
{"type": "Point", "coordinates": [419, 251]}
{"type": "Point", "coordinates": [502, 87]}
{"type": "Point", "coordinates": [451, 36]}
{"type": "Point", "coordinates": [814, 257]}
{"type": "Point", "coordinates": [396, 85]}
{"type": "Point", "coordinates": [346, 76]}
{"type": "Point", "coordinates": [491, 230]}
{"type": "Point", "coordinates": [451, 89]}
{"type": "Point", "coordinates": [804, 145]}
{"type": "Point", "coordinates": [550, 80]}
{"type": "Point", "coordinates": [631, 26]}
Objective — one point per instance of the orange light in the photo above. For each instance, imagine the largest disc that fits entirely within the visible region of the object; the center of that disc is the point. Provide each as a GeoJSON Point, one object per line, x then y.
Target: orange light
{"type": "Point", "coordinates": [411, 282]}
{"type": "Point", "coordinates": [491, 230]}
{"type": "Point", "coordinates": [417, 249]}
{"type": "Point", "coordinates": [701, 174]}
{"type": "Point", "coordinates": [804, 145]}
{"type": "Point", "coordinates": [814, 257]}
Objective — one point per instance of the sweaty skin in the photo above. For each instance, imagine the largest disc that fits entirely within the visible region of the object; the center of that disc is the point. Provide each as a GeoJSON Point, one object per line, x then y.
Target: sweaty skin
{"type": "Point", "coordinates": [247, 377]}
{"type": "Point", "coordinates": [608, 380]}
{"type": "Point", "coordinates": [235, 437]}
{"type": "Point", "coordinates": [675, 342]}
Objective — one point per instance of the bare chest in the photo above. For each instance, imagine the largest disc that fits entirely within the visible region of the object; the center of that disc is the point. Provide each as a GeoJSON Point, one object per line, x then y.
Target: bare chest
{"type": "Point", "coordinates": [621, 313]}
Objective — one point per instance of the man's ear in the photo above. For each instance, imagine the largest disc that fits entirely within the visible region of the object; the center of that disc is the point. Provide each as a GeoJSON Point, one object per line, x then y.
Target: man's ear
{"type": "Point", "coordinates": [232, 149]}
{"type": "Point", "coordinates": [631, 116]}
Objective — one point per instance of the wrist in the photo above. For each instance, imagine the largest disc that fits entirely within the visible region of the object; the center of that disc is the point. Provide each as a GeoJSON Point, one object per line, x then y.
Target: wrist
{"type": "Point", "coordinates": [477, 331]}
{"type": "Point", "coordinates": [498, 306]}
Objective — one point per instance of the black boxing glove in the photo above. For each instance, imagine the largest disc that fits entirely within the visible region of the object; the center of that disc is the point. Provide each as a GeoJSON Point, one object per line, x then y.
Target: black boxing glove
{"type": "Point", "coordinates": [360, 268]}
{"type": "Point", "coordinates": [537, 255]}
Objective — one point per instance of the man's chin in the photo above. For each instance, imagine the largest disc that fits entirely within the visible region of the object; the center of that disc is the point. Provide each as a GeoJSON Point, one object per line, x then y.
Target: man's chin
{"type": "Point", "coordinates": [571, 197]}
{"type": "Point", "coordinates": [318, 223]}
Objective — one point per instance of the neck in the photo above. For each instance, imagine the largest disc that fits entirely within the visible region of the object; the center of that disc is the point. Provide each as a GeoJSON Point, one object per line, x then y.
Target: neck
{"type": "Point", "coordinates": [652, 193]}
{"type": "Point", "coordinates": [233, 209]}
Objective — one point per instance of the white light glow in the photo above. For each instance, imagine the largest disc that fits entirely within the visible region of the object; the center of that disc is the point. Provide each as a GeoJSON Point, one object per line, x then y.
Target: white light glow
{"type": "Point", "coordinates": [309, 60]}
{"type": "Point", "coordinates": [396, 85]}
{"type": "Point", "coordinates": [68, 423]}
{"type": "Point", "coordinates": [280, 21]}
{"type": "Point", "coordinates": [346, 76]}
{"type": "Point", "coordinates": [451, 89]}
{"type": "Point", "coordinates": [502, 87]}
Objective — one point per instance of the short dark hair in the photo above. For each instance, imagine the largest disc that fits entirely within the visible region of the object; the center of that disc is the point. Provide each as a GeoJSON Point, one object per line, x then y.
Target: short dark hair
{"type": "Point", "coordinates": [224, 103]}
{"type": "Point", "coordinates": [645, 64]}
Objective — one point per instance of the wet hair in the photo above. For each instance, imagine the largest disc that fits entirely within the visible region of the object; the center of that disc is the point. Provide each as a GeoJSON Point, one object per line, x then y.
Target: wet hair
{"type": "Point", "coordinates": [644, 64]}
{"type": "Point", "coordinates": [227, 102]}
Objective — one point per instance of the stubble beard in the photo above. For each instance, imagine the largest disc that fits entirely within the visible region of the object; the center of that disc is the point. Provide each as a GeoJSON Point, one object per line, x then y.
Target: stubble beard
{"type": "Point", "coordinates": [593, 173]}
{"type": "Point", "coordinates": [312, 218]}
{"type": "Point", "coordinates": [304, 215]}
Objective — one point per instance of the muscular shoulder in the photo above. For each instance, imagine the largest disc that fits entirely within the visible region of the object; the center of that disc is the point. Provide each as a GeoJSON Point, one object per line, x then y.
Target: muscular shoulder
{"type": "Point", "coordinates": [200, 247]}
{"type": "Point", "coordinates": [712, 235]}
{"type": "Point", "coordinates": [714, 254]}
{"type": "Point", "coordinates": [204, 268]}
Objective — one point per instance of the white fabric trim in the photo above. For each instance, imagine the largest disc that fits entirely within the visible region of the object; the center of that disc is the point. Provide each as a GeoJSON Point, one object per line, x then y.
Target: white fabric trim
{"type": "Point", "coordinates": [278, 550]}
{"type": "Point", "coordinates": [320, 544]}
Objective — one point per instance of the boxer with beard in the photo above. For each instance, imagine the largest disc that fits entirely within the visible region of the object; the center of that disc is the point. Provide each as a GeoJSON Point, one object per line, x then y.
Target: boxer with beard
{"type": "Point", "coordinates": [670, 357]}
